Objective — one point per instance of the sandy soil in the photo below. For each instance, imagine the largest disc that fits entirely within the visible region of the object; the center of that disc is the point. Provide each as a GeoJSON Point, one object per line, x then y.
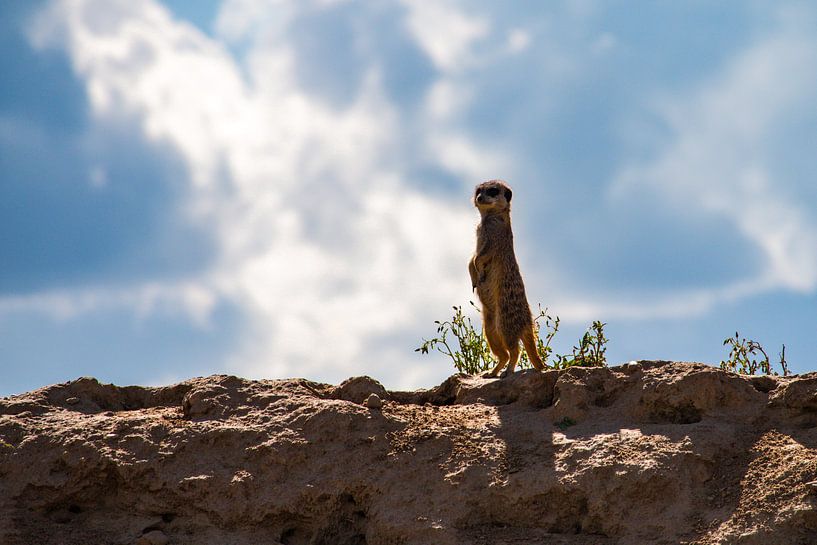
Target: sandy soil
{"type": "Point", "coordinates": [649, 452]}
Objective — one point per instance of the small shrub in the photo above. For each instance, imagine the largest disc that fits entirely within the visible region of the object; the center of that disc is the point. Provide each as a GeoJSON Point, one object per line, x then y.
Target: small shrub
{"type": "Point", "coordinates": [469, 352]}
{"type": "Point", "coordinates": [749, 357]}
{"type": "Point", "coordinates": [565, 423]}
{"type": "Point", "coordinates": [784, 365]}
{"type": "Point", "coordinates": [591, 349]}
{"type": "Point", "coordinates": [542, 345]}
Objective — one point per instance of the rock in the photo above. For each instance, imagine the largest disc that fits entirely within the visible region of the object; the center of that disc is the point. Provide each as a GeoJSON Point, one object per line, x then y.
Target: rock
{"type": "Point", "coordinates": [154, 537]}
{"type": "Point", "coordinates": [374, 401]}
{"type": "Point", "coordinates": [528, 387]}
{"type": "Point", "coordinates": [649, 452]}
{"type": "Point", "coordinates": [358, 389]}
{"type": "Point", "coordinates": [579, 389]}
{"type": "Point", "coordinates": [205, 402]}
{"type": "Point", "coordinates": [797, 396]}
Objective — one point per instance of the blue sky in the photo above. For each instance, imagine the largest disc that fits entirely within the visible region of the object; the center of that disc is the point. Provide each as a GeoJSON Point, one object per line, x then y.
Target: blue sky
{"type": "Point", "coordinates": [281, 188]}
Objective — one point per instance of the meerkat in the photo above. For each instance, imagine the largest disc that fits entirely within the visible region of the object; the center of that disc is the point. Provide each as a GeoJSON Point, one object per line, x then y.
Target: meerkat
{"type": "Point", "coordinates": [496, 278]}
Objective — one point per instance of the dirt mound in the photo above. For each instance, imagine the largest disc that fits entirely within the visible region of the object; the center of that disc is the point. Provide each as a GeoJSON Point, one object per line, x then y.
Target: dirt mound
{"type": "Point", "coordinates": [649, 452]}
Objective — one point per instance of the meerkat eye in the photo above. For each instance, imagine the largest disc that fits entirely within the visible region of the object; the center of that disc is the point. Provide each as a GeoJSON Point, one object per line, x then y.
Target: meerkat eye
{"type": "Point", "coordinates": [492, 192]}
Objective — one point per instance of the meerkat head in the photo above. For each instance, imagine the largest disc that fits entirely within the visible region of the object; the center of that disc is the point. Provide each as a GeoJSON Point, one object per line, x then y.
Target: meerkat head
{"type": "Point", "coordinates": [493, 196]}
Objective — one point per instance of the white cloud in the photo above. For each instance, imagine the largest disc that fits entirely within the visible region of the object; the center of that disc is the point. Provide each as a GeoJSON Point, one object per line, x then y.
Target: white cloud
{"type": "Point", "coordinates": [446, 33]}
{"type": "Point", "coordinates": [461, 156]}
{"type": "Point", "coordinates": [187, 298]}
{"type": "Point", "coordinates": [717, 163]}
{"type": "Point", "coordinates": [324, 242]}
{"type": "Point", "coordinates": [240, 18]}
{"type": "Point", "coordinates": [604, 43]}
{"type": "Point", "coordinates": [519, 39]}
{"type": "Point", "coordinates": [446, 99]}
{"type": "Point", "coordinates": [575, 308]}
{"type": "Point", "coordinates": [98, 177]}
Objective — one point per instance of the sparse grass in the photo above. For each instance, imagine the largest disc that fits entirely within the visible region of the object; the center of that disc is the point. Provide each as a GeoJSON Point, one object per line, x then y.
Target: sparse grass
{"type": "Point", "coordinates": [469, 352]}
{"type": "Point", "coordinates": [784, 365]}
{"type": "Point", "coordinates": [543, 347]}
{"type": "Point", "coordinates": [591, 349]}
{"type": "Point", "coordinates": [565, 423]}
{"type": "Point", "coordinates": [749, 357]}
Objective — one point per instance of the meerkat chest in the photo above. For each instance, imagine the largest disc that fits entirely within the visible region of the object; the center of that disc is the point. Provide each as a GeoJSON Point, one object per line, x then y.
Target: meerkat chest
{"type": "Point", "coordinates": [495, 259]}
{"type": "Point", "coordinates": [494, 241]}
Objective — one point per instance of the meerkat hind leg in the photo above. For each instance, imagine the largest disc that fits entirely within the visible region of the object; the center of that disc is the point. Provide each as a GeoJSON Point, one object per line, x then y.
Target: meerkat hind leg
{"type": "Point", "coordinates": [530, 347]}
{"type": "Point", "coordinates": [503, 361]}
{"type": "Point", "coordinates": [513, 351]}
{"type": "Point", "coordinates": [497, 346]}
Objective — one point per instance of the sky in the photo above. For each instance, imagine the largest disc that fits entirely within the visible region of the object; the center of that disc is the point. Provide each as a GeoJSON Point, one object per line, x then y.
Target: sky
{"type": "Point", "coordinates": [280, 188]}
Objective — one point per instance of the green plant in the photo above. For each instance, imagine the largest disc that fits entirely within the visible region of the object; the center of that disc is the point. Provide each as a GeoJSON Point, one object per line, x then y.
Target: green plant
{"type": "Point", "coordinates": [565, 423]}
{"type": "Point", "coordinates": [784, 365]}
{"type": "Point", "coordinates": [469, 351]}
{"type": "Point", "coordinates": [749, 357]}
{"type": "Point", "coordinates": [591, 351]}
{"type": "Point", "coordinates": [470, 354]}
{"type": "Point", "coordinates": [542, 346]}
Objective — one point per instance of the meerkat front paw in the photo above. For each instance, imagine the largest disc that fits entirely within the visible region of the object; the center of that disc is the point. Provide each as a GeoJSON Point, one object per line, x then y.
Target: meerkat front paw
{"type": "Point", "coordinates": [488, 374]}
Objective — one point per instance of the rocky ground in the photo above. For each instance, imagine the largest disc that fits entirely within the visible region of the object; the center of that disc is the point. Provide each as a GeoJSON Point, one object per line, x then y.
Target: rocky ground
{"type": "Point", "coordinates": [648, 452]}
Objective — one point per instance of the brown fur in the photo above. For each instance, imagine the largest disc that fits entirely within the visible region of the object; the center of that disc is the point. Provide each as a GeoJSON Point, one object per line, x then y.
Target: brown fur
{"type": "Point", "coordinates": [496, 278]}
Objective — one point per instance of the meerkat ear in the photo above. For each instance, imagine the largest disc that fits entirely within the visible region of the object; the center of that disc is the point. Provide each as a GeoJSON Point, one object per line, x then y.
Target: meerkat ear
{"type": "Point", "coordinates": [508, 194]}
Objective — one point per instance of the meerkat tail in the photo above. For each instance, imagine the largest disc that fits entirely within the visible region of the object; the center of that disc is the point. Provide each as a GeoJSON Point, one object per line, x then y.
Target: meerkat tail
{"type": "Point", "coordinates": [530, 348]}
